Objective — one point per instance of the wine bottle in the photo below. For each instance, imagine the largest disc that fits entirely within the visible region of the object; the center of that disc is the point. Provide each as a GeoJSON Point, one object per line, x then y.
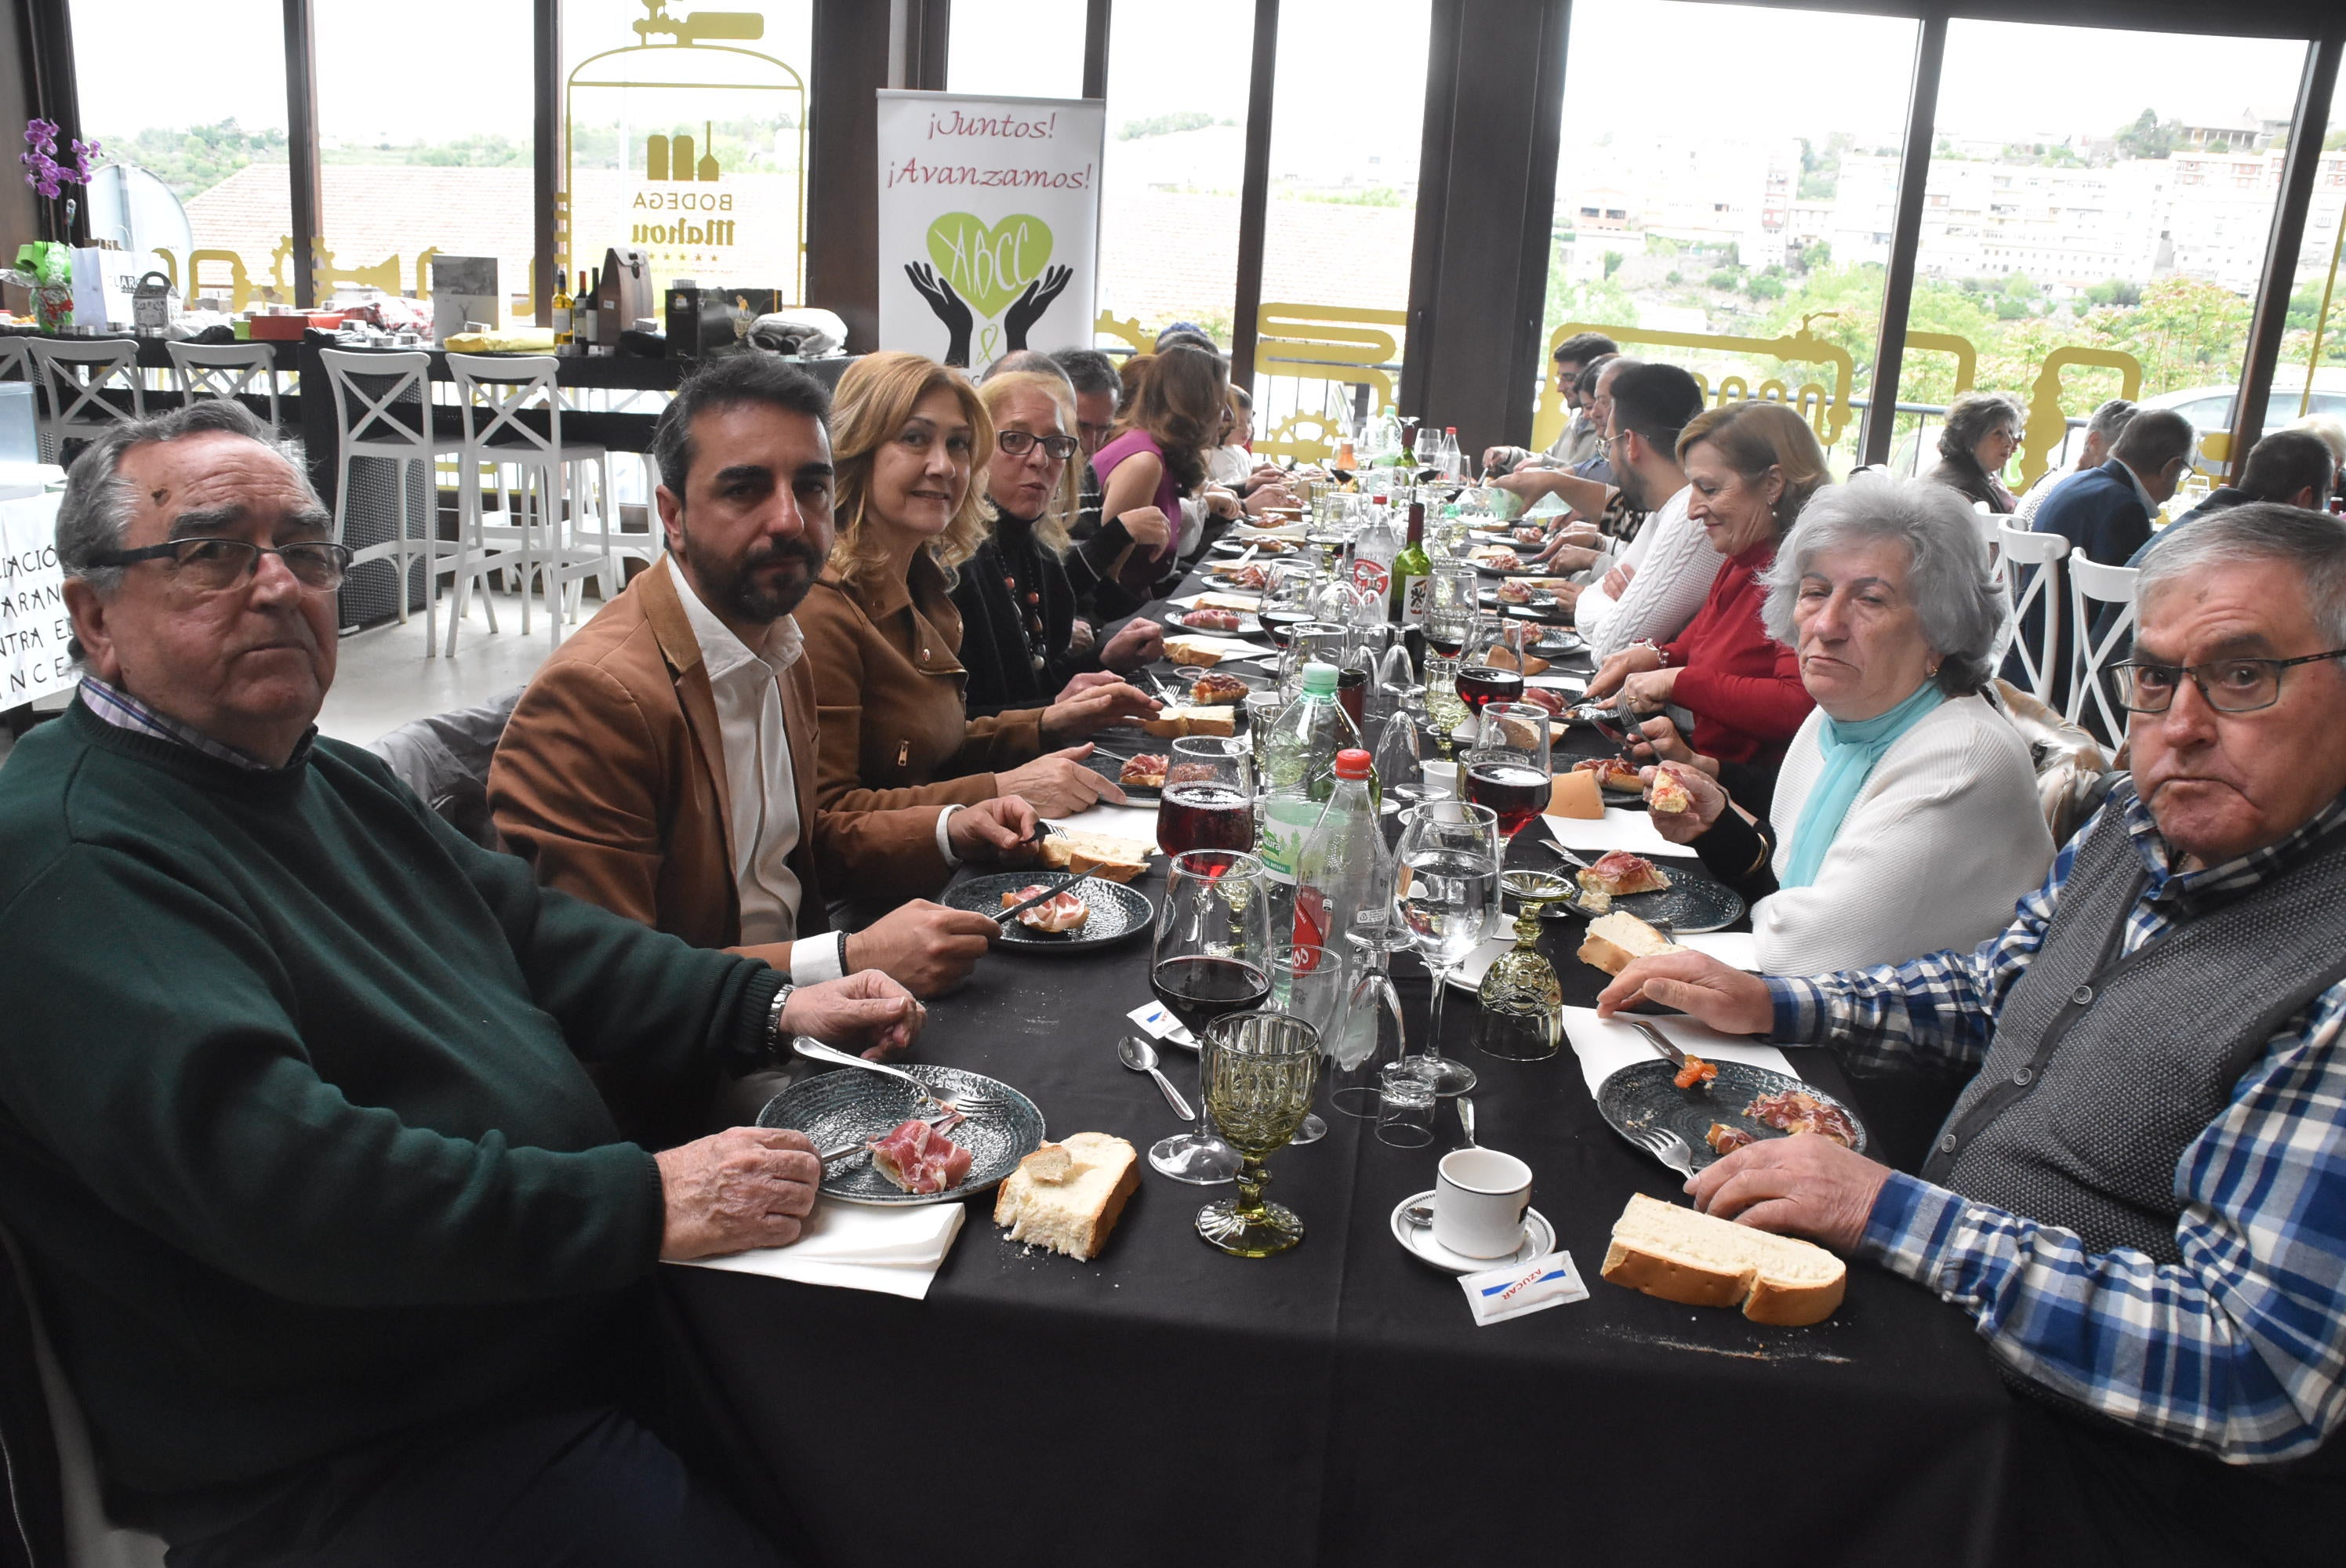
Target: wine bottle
{"type": "Point", "coordinates": [563, 336]}
{"type": "Point", "coordinates": [1411, 572]}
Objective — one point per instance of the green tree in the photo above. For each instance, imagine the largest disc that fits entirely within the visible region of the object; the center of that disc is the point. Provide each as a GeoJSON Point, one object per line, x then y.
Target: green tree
{"type": "Point", "coordinates": [1613, 259]}
{"type": "Point", "coordinates": [2186, 331]}
{"type": "Point", "coordinates": [1167, 125]}
{"type": "Point", "coordinates": [2149, 136]}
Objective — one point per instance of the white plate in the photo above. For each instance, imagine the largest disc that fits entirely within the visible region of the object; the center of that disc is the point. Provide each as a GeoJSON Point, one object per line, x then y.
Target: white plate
{"type": "Point", "coordinates": [1539, 1240]}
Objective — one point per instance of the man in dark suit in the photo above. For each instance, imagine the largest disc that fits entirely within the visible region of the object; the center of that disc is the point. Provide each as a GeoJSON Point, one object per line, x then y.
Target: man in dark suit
{"type": "Point", "coordinates": [2290, 466]}
{"type": "Point", "coordinates": [2105, 511]}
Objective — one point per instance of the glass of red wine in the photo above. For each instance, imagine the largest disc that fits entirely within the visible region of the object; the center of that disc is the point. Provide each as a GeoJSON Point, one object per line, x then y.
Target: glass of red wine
{"type": "Point", "coordinates": [1492, 668]}
{"type": "Point", "coordinates": [1208, 801]}
{"type": "Point", "coordinates": [1453, 596]}
{"type": "Point", "coordinates": [1507, 767]}
{"type": "Point", "coordinates": [1210, 957]}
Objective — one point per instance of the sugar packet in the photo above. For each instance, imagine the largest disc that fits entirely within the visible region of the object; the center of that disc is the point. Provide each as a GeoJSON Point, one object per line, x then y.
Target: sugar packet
{"type": "Point", "coordinates": [1497, 1295]}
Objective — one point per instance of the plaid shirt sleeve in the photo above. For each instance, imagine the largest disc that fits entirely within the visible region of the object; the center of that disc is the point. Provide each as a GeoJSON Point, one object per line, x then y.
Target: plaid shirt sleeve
{"type": "Point", "coordinates": [2241, 1348]}
{"type": "Point", "coordinates": [1937, 1010]}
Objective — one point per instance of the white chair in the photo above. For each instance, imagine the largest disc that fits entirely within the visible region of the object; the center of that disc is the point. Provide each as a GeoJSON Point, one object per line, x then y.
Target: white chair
{"type": "Point", "coordinates": [1989, 526]}
{"type": "Point", "coordinates": [2092, 588]}
{"type": "Point", "coordinates": [83, 388]}
{"type": "Point", "coordinates": [511, 409]}
{"type": "Point", "coordinates": [2018, 551]}
{"type": "Point", "coordinates": [382, 409]}
{"type": "Point", "coordinates": [225, 370]}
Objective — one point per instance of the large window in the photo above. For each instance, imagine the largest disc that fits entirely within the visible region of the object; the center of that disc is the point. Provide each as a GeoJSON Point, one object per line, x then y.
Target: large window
{"type": "Point", "coordinates": [199, 126]}
{"type": "Point", "coordinates": [1018, 49]}
{"type": "Point", "coordinates": [1725, 181]}
{"type": "Point", "coordinates": [2087, 233]}
{"type": "Point", "coordinates": [1348, 122]}
{"type": "Point", "coordinates": [686, 138]}
{"type": "Point", "coordinates": [2320, 278]}
{"type": "Point", "coordinates": [1177, 112]}
{"type": "Point", "coordinates": [414, 162]}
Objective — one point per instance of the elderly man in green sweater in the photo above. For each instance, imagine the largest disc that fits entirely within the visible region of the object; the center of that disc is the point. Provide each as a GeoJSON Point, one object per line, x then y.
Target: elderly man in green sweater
{"type": "Point", "coordinates": [338, 1245]}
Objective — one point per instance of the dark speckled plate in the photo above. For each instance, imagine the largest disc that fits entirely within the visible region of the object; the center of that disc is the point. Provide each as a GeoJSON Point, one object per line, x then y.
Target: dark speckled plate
{"type": "Point", "coordinates": [1117, 911]}
{"type": "Point", "coordinates": [1641, 1096]}
{"type": "Point", "coordinates": [849, 1106]}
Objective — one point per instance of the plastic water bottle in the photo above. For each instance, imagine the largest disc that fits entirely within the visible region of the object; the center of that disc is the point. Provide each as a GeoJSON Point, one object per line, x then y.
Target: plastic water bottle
{"type": "Point", "coordinates": [1299, 775]}
{"type": "Point", "coordinates": [1373, 553]}
{"type": "Point", "coordinates": [1344, 868]}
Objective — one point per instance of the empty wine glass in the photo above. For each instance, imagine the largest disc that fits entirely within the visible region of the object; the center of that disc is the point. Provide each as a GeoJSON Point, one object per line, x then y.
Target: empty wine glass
{"type": "Point", "coordinates": [1308, 982]}
{"type": "Point", "coordinates": [1449, 877]}
{"type": "Point", "coordinates": [1286, 601]}
{"type": "Point", "coordinates": [1400, 759]}
{"type": "Point", "coordinates": [1507, 767]}
{"type": "Point", "coordinates": [1354, 1059]}
{"type": "Point", "coordinates": [1210, 957]}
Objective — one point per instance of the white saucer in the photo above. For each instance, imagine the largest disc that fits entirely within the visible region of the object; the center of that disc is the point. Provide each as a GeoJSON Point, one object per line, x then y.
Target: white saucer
{"type": "Point", "coordinates": [1539, 1240]}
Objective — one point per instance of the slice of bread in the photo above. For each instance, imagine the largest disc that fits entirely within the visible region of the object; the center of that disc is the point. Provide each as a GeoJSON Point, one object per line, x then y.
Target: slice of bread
{"type": "Point", "coordinates": [1104, 855]}
{"type": "Point", "coordinates": [1172, 722]}
{"type": "Point", "coordinates": [1067, 1196]}
{"type": "Point", "coordinates": [1681, 1255]}
{"type": "Point", "coordinates": [1186, 650]}
{"type": "Point", "coordinates": [1614, 939]}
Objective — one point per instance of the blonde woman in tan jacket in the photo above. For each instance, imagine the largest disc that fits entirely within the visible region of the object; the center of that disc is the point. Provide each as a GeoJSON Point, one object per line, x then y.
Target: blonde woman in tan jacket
{"type": "Point", "coordinates": [883, 636]}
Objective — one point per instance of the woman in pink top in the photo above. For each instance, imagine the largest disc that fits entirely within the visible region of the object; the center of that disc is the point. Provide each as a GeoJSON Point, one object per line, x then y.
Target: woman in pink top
{"type": "Point", "coordinates": [1158, 457]}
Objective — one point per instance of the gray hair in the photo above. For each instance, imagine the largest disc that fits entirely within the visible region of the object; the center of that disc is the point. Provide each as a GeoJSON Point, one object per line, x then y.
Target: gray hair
{"type": "Point", "coordinates": [1972, 418]}
{"type": "Point", "coordinates": [1959, 601]}
{"type": "Point", "coordinates": [2312, 544]}
{"type": "Point", "coordinates": [96, 507]}
{"type": "Point", "coordinates": [1032, 361]}
{"type": "Point", "coordinates": [2110, 420]}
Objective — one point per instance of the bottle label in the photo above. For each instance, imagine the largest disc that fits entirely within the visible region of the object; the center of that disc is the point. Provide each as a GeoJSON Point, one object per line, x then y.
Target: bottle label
{"type": "Point", "coordinates": [1413, 597]}
{"type": "Point", "coordinates": [561, 323]}
{"type": "Point", "coordinates": [1371, 576]}
{"type": "Point", "coordinates": [1288, 821]}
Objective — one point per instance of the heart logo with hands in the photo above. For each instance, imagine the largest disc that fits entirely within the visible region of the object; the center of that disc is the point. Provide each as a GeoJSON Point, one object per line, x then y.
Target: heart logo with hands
{"type": "Point", "coordinates": [989, 264]}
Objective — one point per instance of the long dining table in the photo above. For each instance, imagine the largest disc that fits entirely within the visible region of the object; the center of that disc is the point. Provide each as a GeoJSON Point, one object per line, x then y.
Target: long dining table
{"type": "Point", "coordinates": [1335, 1404]}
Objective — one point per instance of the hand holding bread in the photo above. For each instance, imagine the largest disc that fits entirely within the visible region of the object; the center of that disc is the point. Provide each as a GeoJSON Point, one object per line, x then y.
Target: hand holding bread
{"type": "Point", "coordinates": [1697, 985]}
{"type": "Point", "coordinates": [1684, 802]}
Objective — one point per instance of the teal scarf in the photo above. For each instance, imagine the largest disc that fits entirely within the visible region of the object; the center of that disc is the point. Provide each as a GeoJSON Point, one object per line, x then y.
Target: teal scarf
{"type": "Point", "coordinates": [1850, 750]}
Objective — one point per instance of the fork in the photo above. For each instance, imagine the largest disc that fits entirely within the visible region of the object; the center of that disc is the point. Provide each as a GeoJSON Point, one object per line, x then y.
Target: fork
{"type": "Point", "coordinates": [1667, 1147]}
{"type": "Point", "coordinates": [816, 1051]}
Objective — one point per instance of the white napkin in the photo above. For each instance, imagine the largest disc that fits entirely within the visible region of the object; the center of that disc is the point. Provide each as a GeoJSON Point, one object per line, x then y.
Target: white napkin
{"type": "Point", "coordinates": [1137, 823]}
{"type": "Point", "coordinates": [856, 1247]}
{"type": "Point", "coordinates": [1227, 647]}
{"type": "Point", "coordinates": [1606, 1046]}
{"type": "Point", "coordinates": [1191, 601]}
{"type": "Point", "coordinates": [1616, 830]}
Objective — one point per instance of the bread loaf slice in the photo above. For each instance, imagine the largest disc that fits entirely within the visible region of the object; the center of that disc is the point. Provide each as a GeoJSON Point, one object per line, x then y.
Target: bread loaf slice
{"type": "Point", "coordinates": [1614, 939]}
{"type": "Point", "coordinates": [1681, 1255]}
{"type": "Point", "coordinates": [1067, 1196]}
{"type": "Point", "coordinates": [1171, 722]}
{"type": "Point", "coordinates": [1104, 855]}
{"type": "Point", "coordinates": [1183, 650]}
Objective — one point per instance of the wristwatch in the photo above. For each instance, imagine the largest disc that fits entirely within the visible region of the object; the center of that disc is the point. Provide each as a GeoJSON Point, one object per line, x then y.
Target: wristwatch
{"type": "Point", "coordinates": [774, 1010]}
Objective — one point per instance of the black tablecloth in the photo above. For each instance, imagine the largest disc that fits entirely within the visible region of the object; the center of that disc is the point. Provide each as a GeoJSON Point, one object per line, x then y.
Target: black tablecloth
{"type": "Point", "coordinates": [1335, 1404]}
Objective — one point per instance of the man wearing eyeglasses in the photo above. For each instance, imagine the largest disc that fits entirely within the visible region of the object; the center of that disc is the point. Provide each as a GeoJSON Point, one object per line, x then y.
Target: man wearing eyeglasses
{"type": "Point", "coordinates": [2140, 1197]}
{"type": "Point", "coordinates": [338, 1244]}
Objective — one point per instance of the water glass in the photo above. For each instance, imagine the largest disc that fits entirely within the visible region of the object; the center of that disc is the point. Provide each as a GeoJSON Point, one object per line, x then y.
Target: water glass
{"type": "Point", "coordinates": [1405, 1100]}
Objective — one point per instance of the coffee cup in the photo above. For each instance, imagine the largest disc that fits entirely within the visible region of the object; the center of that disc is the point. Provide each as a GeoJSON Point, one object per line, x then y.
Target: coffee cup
{"type": "Point", "coordinates": [1479, 1197]}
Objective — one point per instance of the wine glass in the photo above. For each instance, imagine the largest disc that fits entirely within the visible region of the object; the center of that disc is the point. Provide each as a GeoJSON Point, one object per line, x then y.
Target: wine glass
{"type": "Point", "coordinates": [1313, 642]}
{"type": "Point", "coordinates": [1506, 769]}
{"type": "Point", "coordinates": [1452, 602]}
{"type": "Point", "coordinates": [1353, 1059]}
{"type": "Point", "coordinates": [1211, 956]}
{"type": "Point", "coordinates": [1449, 859]}
{"type": "Point", "coordinates": [1258, 1070]}
{"type": "Point", "coordinates": [1492, 668]}
{"type": "Point", "coordinates": [1208, 801]}
{"type": "Point", "coordinates": [1308, 982]}
{"type": "Point", "coordinates": [1286, 601]}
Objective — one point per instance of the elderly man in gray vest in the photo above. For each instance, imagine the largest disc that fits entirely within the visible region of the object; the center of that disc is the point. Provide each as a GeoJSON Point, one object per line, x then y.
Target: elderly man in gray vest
{"type": "Point", "coordinates": [2140, 1197]}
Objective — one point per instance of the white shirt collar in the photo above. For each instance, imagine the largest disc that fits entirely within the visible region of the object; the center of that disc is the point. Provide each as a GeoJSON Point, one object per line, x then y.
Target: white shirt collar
{"type": "Point", "coordinates": [720, 650]}
{"type": "Point", "coordinates": [2142, 492]}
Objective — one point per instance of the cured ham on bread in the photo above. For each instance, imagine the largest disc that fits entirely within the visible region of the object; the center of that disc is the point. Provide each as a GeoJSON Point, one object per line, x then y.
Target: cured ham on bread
{"type": "Point", "coordinates": [1612, 773]}
{"type": "Point", "coordinates": [1796, 1111]}
{"type": "Point", "coordinates": [1208, 618]}
{"type": "Point", "coordinates": [919, 1159]}
{"type": "Point", "coordinates": [1145, 771]}
{"type": "Point", "coordinates": [1066, 913]}
{"type": "Point", "coordinates": [1667, 792]}
{"type": "Point", "coordinates": [1216, 689]}
{"type": "Point", "coordinates": [1621, 873]}
{"type": "Point", "coordinates": [1724, 1139]}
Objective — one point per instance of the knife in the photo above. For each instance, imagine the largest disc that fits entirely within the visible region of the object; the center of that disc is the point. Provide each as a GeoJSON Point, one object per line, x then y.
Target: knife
{"type": "Point", "coordinates": [1661, 1042]}
{"type": "Point", "coordinates": [863, 1145]}
{"type": "Point", "coordinates": [1046, 896]}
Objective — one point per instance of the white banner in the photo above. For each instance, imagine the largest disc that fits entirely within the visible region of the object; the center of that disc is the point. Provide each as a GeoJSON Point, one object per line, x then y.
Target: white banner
{"type": "Point", "coordinates": [989, 223]}
{"type": "Point", "coordinates": [34, 627]}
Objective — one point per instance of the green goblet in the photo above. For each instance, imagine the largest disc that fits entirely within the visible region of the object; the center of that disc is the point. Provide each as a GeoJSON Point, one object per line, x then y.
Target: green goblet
{"type": "Point", "coordinates": [1258, 1070]}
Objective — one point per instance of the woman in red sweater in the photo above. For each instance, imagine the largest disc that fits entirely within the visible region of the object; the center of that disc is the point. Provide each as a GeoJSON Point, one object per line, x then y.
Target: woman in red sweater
{"type": "Point", "coordinates": [1750, 466]}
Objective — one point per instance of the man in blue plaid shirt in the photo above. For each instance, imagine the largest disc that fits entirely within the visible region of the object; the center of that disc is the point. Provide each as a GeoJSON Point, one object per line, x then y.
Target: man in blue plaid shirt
{"type": "Point", "coordinates": [2140, 1196]}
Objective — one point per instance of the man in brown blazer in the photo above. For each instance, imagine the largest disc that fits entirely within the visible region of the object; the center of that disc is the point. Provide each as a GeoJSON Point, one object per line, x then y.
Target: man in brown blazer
{"type": "Point", "coordinates": [662, 763]}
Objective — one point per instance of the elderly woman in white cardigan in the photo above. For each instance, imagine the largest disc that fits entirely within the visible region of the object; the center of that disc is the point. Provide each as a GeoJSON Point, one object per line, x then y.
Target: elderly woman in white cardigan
{"type": "Point", "coordinates": [1905, 820]}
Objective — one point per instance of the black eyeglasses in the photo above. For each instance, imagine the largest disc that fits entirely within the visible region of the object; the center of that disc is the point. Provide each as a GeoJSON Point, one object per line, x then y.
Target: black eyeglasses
{"type": "Point", "coordinates": [212, 564]}
{"type": "Point", "coordinates": [2230, 684]}
{"type": "Point", "coordinates": [1058, 448]}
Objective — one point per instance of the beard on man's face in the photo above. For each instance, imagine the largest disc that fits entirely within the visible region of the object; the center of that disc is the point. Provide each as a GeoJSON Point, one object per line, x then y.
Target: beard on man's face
{"type": "Point", "coordinates": [747, 585]}
{"type": "Point", "coordinates": [1631, 485]}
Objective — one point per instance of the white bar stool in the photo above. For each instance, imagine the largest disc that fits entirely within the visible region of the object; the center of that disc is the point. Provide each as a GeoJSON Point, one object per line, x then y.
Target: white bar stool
{"type": "Point", "coordinates": [556, 544]}
{"type": "Point", "coordinates": [2092, 587]}
{"type": "Point", "coordinates": [225, 370]}
{"type": "Point", "coordinates": [80, 383]}
{"type": "Point", "coordinates": [382, 408]}
{"type": "Point", "coordinates": [2031, 564]}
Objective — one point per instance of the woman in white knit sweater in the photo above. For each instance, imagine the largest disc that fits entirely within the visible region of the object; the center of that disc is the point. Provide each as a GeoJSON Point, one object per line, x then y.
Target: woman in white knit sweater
{"type": "Point", "coordinates": [1905, 820]}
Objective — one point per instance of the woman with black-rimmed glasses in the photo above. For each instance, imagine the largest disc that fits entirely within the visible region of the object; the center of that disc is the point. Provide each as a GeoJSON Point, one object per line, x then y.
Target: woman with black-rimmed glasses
{"type": "Point", "coordinates": [1021, 641]}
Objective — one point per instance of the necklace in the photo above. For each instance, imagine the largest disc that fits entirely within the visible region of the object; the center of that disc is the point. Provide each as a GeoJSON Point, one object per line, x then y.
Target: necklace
{"type": "Point", "coordinates": [1028, 603]}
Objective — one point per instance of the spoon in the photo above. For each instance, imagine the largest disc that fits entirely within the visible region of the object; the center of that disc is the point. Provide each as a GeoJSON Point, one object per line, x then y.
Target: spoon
{"type": "Point", "coordinates": [1141, 1056]}
{"type": "Point", "coordinates": [1418, 1214]}
{"type": "Point", "coordinates": [1465, 1103]}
